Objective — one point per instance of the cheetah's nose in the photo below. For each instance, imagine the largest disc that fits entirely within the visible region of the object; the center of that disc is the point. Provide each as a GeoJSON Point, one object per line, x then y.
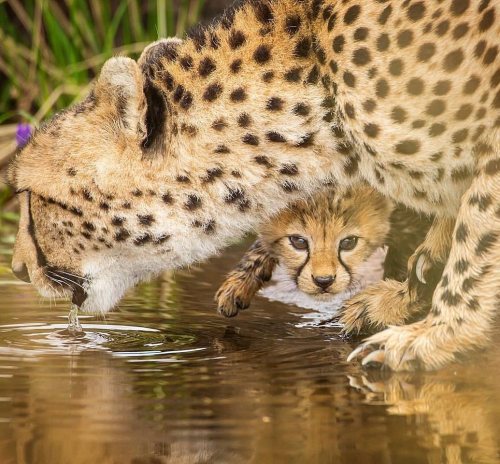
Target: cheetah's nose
{"type": "Point", "coordinates": [21, 271]}
{"type": "Point", "coordinates": [323, 281]}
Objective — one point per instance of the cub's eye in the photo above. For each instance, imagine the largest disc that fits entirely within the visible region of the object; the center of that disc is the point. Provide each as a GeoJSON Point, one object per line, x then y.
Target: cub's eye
{"type": "Point", "coordinates": [298, 242]}
{"type": "Point", "coordinates": [348, 243]}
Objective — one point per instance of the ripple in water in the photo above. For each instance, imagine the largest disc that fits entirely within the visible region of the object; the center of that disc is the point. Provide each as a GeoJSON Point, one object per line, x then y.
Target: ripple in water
{"type": "Point", "coordinates": [125, 341]}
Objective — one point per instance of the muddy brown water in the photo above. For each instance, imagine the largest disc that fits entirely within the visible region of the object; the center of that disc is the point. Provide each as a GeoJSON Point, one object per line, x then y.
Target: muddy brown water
{"type": "Point", "coordinates": [165, 380]}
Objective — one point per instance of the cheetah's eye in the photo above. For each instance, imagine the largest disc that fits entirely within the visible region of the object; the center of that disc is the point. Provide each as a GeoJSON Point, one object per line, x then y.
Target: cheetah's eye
{"type": "Point", "coordinates": [348, 243]}
{"type": "Point", "coordinates": [298, 242]}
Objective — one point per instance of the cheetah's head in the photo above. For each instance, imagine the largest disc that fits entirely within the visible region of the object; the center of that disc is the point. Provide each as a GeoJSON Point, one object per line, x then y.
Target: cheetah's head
{"type": "Point", "coordinates": [85, 213]}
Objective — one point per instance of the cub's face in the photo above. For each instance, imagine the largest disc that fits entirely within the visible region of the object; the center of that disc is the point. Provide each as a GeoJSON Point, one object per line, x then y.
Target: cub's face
{"type": "Point", "coordinates": [322, 242]}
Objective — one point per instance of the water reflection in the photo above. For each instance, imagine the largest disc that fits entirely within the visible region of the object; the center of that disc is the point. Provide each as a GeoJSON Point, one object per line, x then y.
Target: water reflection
{"type": "Point", "coordinates": [165, 380]}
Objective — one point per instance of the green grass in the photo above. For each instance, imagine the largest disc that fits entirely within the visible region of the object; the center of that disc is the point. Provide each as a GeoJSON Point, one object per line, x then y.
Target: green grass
{"type": "Point", "coordinates": [51, 49]}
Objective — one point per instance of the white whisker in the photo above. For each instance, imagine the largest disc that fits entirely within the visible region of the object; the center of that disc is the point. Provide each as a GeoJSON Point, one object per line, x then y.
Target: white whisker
{"type": "Point", "coordinates": [67, 280]}
{"type": "Point", "coordinates": [72, 275]}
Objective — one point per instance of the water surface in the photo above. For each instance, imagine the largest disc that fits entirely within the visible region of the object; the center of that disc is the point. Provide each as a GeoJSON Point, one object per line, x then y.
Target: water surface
{"type": "Point", "coordinates": [163, 379]}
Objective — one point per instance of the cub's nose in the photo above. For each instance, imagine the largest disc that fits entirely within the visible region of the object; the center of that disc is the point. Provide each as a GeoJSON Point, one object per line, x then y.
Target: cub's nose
{"type": "Point", "coordinates": [323, 281]}
{"type": "Point", "coordinates": [21, 271]}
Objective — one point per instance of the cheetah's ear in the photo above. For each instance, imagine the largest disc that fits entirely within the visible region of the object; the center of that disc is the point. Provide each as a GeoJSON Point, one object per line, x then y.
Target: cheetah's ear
{"type": "Point", "coordinates": [121, 86]}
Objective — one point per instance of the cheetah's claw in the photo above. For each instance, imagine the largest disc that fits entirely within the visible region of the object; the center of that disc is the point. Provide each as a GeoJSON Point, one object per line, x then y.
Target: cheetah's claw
{"type": "Point", "coordinates": [420, 268]}
{"type": "Point", "coordinates": [418, 346]}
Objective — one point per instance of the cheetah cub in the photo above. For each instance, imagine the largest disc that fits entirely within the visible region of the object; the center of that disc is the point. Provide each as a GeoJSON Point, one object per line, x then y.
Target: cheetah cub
{"type": "Point", "coordinates": [321, 243]}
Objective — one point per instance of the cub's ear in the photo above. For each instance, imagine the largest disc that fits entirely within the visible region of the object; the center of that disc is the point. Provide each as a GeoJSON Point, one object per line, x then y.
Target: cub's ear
{"type": "Point", "coordinates": [121, 86]}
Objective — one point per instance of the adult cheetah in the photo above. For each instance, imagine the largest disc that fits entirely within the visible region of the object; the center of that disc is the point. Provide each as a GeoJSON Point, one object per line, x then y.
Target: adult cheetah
{"type": "Point", "coordinates": [170, 158]}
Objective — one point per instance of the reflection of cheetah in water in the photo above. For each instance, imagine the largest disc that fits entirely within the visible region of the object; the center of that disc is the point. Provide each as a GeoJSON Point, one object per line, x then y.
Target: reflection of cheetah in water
{"type": "Point", "coordinates": [322, 244]}
{"type": "Point", "coordinates": [165, 162]}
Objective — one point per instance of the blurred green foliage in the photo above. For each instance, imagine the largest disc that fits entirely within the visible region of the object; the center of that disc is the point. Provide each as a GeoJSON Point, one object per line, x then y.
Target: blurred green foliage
{"type": "Point", "coordinates": [51, 49]}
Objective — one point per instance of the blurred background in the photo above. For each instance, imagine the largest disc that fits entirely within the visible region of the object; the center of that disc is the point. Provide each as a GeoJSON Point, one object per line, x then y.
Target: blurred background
{"type": "Point", "coordinates": [51, 50]}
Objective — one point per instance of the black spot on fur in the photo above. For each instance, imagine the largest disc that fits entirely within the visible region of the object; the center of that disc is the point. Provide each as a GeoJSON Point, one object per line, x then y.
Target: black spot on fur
{"type": "Point", "coordinates": [143, 240]}
{"type": "Point", "coordinates": [492, 168]}
{"type": "Point", "coordinates": [352, 14]}
{"type": "Point", "coordinates": [193, 202]}
{"type": "Point", "coordinates": [416, 11]}
{"type": "Point", "coordinates": [263, 11]}
{"type": "Point", "coordinates": [451, 298]}
{"type": "Point", "coordinates": [167, 198]}
{"type": "Point", "coordinates": [244, 120]}
{"type": "Point", "coordinates": [292, 24]}
{"type": "Point", "coordinates": [313, 76]}
{"type": "Point", "coordinates": [212, 174]}
{"type": "Point", "coordinates": [349, 79]}
{"type": "Point", "coordinates": [262, 54]}
{"type": "Point", "coordinates": [301, 109]}
{"type": "Point", "coordinates": [236, 39]}
{"type": "Point", "coordinates": [302, 48]}
{"type": "Point", "coordinates": [222, 149]}
{"type": "Point", "coordinates": [275, 104]}
{"type": "Point", "coordinates": [453, 60]}
{"type": "Point", "coordinates": [250, 139]}
{"type": "Point", "coordinates": [275, 137]}
{"type": "Point", "coordinates": [263, 161]}
{"type": "Point", "coordinates": [405, 38]}
{"type": "Point", "coordinates": [487, 20]}
{"type": "Point", "coordinates": [88, 226]}
{"type": "Point", "coordinates": [206, 67]}
{"type": "Point", "coordinates": [383, 42]}
{"type": "Point", "coordinates": [289, 169]}
{"type": "Point", "coordinates": [238, 95]}
{"type": "Point", "coordinates": [293, 75]}
{"type": "Point", "coordinates": [219, 125]}
{"type": "Point", "coordinates": [486, 242]}
{"type": "Point", "coordinates": [186, 63]}
{"type": "Point", "coordinates": [408, 147]}
{"type": "Point", "coordinates": [306, 141]}
{"type": "Point", "coordinates": [145, 219]}
{"type": "Point", "coordinates": [481, 201]}
{"type": "Point", "coordinates": [122, 235]}
{"type": "Point", "coordinates": [235, 66]}
{"type": "Point", "coordinates": [183, 179]}
{"type": "Point", "coordinates": [458, 7]}
{"type": "Point", "coordinates": [426, 52]}
{"type": "Point", "coordinates": [212, 92]}
{"type": "Point", "coordinates": [461, 233]}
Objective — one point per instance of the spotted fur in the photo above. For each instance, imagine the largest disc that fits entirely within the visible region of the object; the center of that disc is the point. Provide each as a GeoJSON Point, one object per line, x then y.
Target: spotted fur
{"type": "Point", "coordinates": [403, 95]}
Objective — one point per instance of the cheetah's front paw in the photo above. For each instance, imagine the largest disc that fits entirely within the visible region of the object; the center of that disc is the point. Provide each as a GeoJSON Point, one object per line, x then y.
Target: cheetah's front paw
{"type": "Point", "coordinates": [378, 306]}
{"type": "Point", "coordinates": [406, 348]}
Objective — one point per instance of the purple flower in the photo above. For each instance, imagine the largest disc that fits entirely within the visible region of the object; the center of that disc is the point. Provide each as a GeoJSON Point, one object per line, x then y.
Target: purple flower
{"type": "Point", "coordinates": [23, 134]}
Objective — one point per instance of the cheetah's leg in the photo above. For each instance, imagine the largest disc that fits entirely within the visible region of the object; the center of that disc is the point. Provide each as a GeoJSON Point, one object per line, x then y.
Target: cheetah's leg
{"type": "Point", "coordinates": [242, 283]}
{"type": "Point", "coordinates": [467, 295]}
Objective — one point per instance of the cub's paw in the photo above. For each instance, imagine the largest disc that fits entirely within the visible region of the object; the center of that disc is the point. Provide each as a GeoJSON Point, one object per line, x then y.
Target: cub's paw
{"type": "Point", "coordinates": [378, 306]}
{"type": "Point", "coordinates": [417, 346]}
{"type": "Point", "coordinates": [233, 295]}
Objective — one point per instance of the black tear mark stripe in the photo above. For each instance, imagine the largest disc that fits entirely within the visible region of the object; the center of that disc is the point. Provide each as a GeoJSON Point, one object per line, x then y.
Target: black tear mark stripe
{"type": "Point", "coordinates": [41, 259]}
{"type": "Point", "coordinates": [345, 266]}
{"type": "Point", "coordinates": [301, 268]}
